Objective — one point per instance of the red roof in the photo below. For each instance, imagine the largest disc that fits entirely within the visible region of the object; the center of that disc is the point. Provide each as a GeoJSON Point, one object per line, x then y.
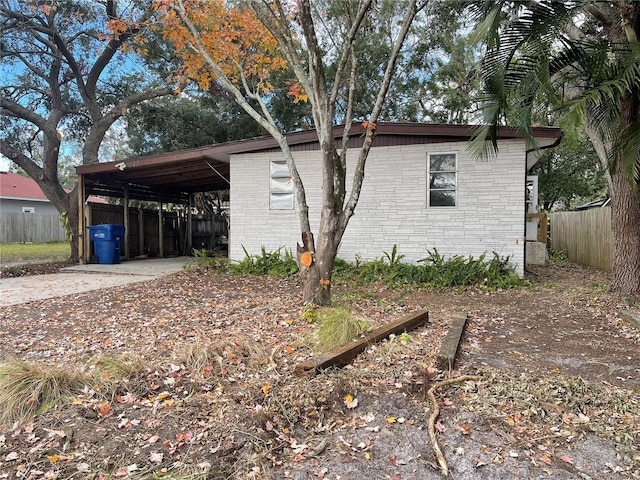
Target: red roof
{"type": "Point", "coordinates": [13, 185]}
{"type": "Point", "coordinates": [19, 187]}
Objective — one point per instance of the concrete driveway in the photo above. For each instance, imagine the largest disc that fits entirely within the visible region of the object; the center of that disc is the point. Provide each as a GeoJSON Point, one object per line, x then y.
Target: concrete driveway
{"type": "Point", "coordinates": [83, 278]}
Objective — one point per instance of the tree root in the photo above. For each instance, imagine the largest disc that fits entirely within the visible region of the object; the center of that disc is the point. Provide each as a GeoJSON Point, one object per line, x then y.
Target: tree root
{"type": "Point", "coordinates": [436, 411]}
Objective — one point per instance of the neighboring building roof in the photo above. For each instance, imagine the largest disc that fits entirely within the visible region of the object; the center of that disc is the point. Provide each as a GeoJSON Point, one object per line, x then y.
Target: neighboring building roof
{"type": "Point", "coordinates": [602, 202]}
{"type": "Point", "coordinates": [19, 187]}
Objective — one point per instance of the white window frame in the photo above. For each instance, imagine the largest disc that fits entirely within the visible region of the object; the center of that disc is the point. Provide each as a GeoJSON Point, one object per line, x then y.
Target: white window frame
{"type": "Point", "coordinates": [281, 194]}
{"type": "Point", "coordinates": [28, 209]}
{"type": "Point", "coordinates": [448, 189]}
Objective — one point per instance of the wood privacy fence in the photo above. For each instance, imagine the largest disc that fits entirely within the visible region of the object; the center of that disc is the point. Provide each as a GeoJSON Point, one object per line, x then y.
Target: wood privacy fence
{"type": "Point", "coordinates": [16, 227]}
{"type": "Point", "coordinates": [143, 230]}
{"type": "Point", "coordinates": [584, 236]}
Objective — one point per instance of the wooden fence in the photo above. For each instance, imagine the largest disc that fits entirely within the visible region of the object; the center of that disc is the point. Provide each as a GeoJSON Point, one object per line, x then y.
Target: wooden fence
{"type": "Point", "coordinates": [143, 230]}
{"type": "Point", "coordinates": [584, 236]}
{"type": "Point", "coordinates": [16, 227]}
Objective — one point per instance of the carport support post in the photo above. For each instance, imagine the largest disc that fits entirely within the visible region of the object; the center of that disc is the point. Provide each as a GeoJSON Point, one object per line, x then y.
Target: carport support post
{"type": "Point", "coordinates": [141, 230]}
{"type": "Point", "coordinates": [190, 225]}
{"type": "Point", "coordinates": [160, 220]}
{"type": "Point", "coordinates": [81, 221]}
{"type": "Point", "coordinates": [126, 221]}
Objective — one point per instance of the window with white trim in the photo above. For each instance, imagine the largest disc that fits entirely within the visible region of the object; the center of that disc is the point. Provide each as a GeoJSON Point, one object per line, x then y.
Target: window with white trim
{"type": "Point", "coordinates": [442, 179]}
{"type": "Point", "coordinates": [28, 209]}
{"type": "Point", "coordinates": [281, 190]}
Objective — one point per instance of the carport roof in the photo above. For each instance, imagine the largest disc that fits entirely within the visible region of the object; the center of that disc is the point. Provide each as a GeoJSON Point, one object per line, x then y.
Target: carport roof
{"type": "Point", "coordinates": [176, 174]}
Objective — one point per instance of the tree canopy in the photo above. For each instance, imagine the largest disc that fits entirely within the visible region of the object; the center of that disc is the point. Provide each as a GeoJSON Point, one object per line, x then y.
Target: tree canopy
{"type": "Point", "coordinates": [583, 58]}
{"type": "Point", "coordinates": [70, 70]}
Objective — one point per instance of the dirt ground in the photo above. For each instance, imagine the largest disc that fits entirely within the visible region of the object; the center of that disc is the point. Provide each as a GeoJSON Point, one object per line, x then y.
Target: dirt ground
{"type": "Point", "coordinates": [557, 394]}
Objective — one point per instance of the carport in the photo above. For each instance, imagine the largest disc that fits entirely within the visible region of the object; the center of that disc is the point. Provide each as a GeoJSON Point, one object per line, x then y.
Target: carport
{"type": "Point", "coordinates": [167, 178]}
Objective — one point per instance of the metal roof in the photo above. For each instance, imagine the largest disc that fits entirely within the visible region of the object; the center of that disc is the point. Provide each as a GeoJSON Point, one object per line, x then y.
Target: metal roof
{"type": "Point", "coordinates": [174, 175]}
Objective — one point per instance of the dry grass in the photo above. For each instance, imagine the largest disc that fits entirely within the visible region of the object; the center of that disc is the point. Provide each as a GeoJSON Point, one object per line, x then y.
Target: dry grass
{"type": "Point", "coordinates": [338, 326]}
{"type": "Point", "coordinates": [218, 355]}
{"type": "Point", "coordinates": [28, 389]}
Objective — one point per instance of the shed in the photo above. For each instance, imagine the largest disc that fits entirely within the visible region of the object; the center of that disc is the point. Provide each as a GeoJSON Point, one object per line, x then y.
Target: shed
{"type": "Point", "coordinates": [423, 190]}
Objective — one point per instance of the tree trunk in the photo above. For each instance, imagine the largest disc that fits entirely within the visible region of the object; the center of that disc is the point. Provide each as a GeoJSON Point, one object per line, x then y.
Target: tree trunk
{"type": "Point", "coordinates": [625, 211]}
{"type": "Point", "coordinates": [316, 278]}
{"type": "Point", "coordinates": [73, 219]}
{"type": "Point", "coordinates": [625, 230]}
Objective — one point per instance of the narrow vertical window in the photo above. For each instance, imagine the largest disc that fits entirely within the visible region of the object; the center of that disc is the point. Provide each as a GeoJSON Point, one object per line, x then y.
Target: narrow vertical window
{"type": "Point", "coordinates": [281, 193]}
{"type": "Point", "coordinates": [442, 179]}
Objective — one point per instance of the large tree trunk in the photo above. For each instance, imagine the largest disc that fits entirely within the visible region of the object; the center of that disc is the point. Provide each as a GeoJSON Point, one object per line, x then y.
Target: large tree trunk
{"type": "Point", "coordinates": [625, 229]}
{"type": "Point", "coordinates": [625, 210]}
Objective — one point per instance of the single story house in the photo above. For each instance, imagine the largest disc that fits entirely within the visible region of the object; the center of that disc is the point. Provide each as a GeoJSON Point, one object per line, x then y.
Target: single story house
{"type": "Point", "coordinates": [20, 194]}
{"type": "Point", "coordinates": [423, 190]}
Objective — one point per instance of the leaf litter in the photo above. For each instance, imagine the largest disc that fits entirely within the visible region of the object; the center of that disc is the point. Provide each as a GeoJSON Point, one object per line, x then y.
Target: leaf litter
{"type": "Point", "coordinates": [198, 383]}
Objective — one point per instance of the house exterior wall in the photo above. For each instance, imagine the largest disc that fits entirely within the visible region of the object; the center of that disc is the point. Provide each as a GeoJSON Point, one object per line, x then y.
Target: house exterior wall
{"type": "Point", "coordinates": [489, 214]}
{"type": "Point", "coordinates": [15, 206]}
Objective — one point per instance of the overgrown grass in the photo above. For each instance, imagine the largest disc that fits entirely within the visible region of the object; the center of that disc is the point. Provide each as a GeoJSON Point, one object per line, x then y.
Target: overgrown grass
{"type": "Point", "coordinates": [28, 389]}
{"type": "Point", "coordinates": [13, 252]}
{"type": "Point", "coordinates": [214, 356]}
{"type": "Point", "coordinates": [338, 325]}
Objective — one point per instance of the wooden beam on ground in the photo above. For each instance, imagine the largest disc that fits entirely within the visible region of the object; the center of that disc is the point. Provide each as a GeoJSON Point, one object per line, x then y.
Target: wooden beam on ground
{"type": "Point", "coordinates": [341, 356]}
{"type": "Point", "coordinates": [447, 357]}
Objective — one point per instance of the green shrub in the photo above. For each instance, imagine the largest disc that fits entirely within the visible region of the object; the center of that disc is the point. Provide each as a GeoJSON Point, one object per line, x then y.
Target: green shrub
{"type": "Point", "coordinates": [276, 263]}
{"type": "Point", "coordinates": [435, 270]}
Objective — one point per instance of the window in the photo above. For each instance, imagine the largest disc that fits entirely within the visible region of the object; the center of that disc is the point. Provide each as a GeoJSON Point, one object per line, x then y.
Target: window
{"type": "Point", "coordinates": [281, 197]}
{"type": "Point", "coordinates": [442, 179]}
{"type": "Point", "coordinates": [28, 209]}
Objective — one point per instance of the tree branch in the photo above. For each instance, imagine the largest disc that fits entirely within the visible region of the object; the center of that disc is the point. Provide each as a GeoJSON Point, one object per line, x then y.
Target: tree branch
{"type": "Point", "coordinates": [358, 175]}
{"type": "Point", "coordinates": [13, 109]}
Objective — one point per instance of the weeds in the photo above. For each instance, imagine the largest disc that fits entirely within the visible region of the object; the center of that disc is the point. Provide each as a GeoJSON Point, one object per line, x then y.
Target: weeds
{"type": "Point", "coordinates": [28, 389]}
{"type": "Point", "coordinates": [204, 260]}
{"type": "Point", "coordinates": [275, 263]}
{"type": "Point", "coordinates": [435, 270]}
{"type": "Point", "coordinates": [338, 326]}
{"type": "Point", "coordinates": [206, 357]}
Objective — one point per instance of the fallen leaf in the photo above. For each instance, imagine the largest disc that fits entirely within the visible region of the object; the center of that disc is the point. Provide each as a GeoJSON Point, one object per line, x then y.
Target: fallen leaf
{"type": "Point", "coordinates": [546, 459]}
{"type": "Point", "coordinates": [464, 428]}
{"type": "Point", "coordinates": [350, 402]}
{"type": "Point", "coordinates": [566, 459]}
{"type": "Point", "coordinates": [11, 456]}
{"type": "Point", "coordinates": [156, 457]}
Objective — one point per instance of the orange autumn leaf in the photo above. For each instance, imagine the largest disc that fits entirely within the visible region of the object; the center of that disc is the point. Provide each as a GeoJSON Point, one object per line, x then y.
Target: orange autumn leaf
{"type": "Point", "coordinates": [104, 408]}
{"type": "Point", "coordinates": [265, 389]}
{"type": "Point", "coordinates": [233, 37]}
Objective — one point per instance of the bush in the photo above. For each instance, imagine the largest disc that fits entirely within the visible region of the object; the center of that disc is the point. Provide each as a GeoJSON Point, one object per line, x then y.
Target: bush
{"type": "Point", "coordinates": [435, 271]}
{"type": "Point", "coordinates": [275, 263]}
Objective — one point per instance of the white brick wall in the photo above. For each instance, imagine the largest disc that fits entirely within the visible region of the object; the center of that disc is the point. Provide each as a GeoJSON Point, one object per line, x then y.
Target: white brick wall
{"type": "Point", "coordinates": [489, 215]}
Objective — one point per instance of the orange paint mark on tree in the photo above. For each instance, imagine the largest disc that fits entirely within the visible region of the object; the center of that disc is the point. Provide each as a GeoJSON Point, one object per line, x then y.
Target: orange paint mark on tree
{"type": "Point", "coordinates": [306, 259]}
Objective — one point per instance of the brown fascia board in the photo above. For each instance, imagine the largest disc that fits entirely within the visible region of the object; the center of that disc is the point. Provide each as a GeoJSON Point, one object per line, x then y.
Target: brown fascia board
{"type": "Point", "coordinates": [222, 152]}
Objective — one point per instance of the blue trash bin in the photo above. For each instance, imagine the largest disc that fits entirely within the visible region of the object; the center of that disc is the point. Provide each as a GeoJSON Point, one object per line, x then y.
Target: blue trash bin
{"type": "Point", "coordinates": [106, 239]}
